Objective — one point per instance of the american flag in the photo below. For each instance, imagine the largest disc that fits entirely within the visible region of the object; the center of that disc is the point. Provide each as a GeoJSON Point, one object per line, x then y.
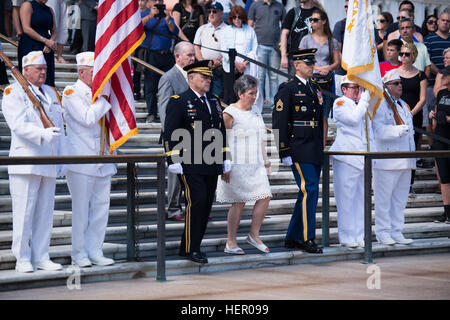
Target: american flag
{"type": "Point", "coordinates": [119, 33]}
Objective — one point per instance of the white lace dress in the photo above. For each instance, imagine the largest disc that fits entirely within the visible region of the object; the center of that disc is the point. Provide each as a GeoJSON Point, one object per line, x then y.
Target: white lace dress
{"type": "Point", "coordinates": [248, 177]}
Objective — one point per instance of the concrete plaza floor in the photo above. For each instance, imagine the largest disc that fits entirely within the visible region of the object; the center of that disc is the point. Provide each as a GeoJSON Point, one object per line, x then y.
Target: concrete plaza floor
{"type": "Point", "coordinates": [402, 277]}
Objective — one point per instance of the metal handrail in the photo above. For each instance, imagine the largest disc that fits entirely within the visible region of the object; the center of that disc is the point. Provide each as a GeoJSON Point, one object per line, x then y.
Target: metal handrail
{"type": "Point", "coordinates": [131, 161]}
{"type": "Point", "coordinates": [368, 157]}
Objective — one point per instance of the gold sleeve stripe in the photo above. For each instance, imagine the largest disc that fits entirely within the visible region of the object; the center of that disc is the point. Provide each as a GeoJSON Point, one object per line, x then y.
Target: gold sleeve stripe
{"type": "Point", "coordinates": [226, 149]}
{"type": "Point", "coordinates": [172, 153]}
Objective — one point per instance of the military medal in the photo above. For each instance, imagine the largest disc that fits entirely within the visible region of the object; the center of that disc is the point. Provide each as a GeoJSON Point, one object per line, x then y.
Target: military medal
{"type": "Point", "coordinates": [320, 97]}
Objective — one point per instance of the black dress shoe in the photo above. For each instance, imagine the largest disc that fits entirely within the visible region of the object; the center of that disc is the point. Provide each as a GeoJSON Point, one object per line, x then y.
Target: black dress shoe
{"type": "Point", "coordinates": [177, 217]}
{"type": "Point", "coordinates": [311, 247]}
{"type": "Point", "coordinates": [197, 257]}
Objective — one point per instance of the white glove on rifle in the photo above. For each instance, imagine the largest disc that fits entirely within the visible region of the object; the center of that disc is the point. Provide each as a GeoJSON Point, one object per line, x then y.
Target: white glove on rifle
{"type": "Point", "coordinates": [287, 161]}
{"type": "Point", "coordinates": [365, 96]}
{"type": "Point", "coordinates": [175, 168]}
{"type": "Point", "coordinates": [51, 134]}
{"type": "Point", "coordinates": [403, 130]}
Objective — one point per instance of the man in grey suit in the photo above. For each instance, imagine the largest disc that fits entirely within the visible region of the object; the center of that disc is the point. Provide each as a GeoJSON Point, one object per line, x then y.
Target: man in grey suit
{"type": "Point", "coordinates": [171, 83]}
{"type": "Point", "coordinates": [88, 9]}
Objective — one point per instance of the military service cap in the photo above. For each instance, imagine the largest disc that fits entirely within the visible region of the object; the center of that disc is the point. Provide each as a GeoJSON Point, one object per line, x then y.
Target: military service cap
{"type": "Point", "coordinates": [307, 55]}
{"type": "Point", "coordinates": [204, 67]}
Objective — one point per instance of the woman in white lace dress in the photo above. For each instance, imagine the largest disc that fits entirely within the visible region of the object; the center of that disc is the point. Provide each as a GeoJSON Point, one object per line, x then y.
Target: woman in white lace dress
{"type": "Point", "coordinates": [248, 179]}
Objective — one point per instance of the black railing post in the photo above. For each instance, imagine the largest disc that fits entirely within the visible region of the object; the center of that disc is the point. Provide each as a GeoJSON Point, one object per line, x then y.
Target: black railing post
{"type": "Point", "coordinates": [161, 217]}
{"type": "Point", "coordinates": [131, 202]}
{"type": "Point", "coordinates": [232, 56]}
{"type": "Point", "coordinates": [367, 209]}
{"type": "Point", "coordinates": [326, 201]}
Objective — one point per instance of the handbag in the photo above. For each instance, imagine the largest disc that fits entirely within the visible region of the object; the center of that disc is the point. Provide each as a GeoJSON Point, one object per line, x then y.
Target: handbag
{"type": "Point", "coordinates": [323, 81]}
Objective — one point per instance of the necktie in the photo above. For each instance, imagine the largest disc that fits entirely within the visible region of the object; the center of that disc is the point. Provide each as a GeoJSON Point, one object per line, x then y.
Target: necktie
{"type": "Point", "coordinates": [203, 99]}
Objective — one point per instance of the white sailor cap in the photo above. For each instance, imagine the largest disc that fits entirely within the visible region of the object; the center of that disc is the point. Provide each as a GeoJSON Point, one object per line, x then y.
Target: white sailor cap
{"type": "Point", "coordinates": [391, 75]}
{"type": "Point", "coordinates": [346, 80]}
{"type": "Point", "coordinates": [85, 59]}
{"type": "Point", "coordinates": [33, 58]}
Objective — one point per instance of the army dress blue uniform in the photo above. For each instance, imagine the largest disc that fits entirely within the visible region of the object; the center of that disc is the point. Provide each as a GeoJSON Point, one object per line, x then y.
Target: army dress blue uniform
{"type": "Point", "coordinates": [187, 111]}
{"type": "Point", "coordinates": [297, 115]}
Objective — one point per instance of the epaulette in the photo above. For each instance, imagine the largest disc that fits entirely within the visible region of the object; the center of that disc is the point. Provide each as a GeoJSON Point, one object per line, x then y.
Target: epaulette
{"type": "Point", "coordinates": [68, 92]}
{"type": "Point", "coordinates": [339, 102]}
{"type": "Point", "coordinates": [175, 96]}
{"type": "Point", "coordinates": [8, 90]}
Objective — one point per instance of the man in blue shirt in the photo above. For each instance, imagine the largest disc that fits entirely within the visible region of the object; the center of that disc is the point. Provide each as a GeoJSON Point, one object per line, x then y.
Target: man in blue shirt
{"type": "Point", "coordinates": [159, 28]}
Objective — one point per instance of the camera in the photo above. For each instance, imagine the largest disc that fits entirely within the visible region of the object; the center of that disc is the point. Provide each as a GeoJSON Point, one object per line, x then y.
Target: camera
{"type": "Point", "coordinates": [161, 8]}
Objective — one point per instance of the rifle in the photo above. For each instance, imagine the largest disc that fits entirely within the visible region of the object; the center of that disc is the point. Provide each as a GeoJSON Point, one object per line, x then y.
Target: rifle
{"type": "Point", "coordinates": [397, 118]}
{"type": "Point", "coordinates": [24, 83]}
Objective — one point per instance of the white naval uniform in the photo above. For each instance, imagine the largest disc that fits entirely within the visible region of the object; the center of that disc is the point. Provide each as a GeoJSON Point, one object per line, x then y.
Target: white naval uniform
{"type": "Point", "coordinates": [89, 184]}
{"type": "Point", "coordinates": [348, 171]}
{"type": "Point", "coordinates": [391, 177]}
{"type": "Point", "coordinates": [32, 187]}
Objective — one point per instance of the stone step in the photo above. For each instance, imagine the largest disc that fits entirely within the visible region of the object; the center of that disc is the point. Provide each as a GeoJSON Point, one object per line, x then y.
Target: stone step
{"type": "Point", "coordinates": [218, 262]}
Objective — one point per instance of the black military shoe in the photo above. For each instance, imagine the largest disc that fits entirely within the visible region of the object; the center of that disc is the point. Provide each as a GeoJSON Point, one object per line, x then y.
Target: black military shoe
{"type": "Point", "coordinates": [442, 218]}
{"type": "Point", "coordinates": [197, 257]}
{"type": "Point", "coordinates": [311, 247]}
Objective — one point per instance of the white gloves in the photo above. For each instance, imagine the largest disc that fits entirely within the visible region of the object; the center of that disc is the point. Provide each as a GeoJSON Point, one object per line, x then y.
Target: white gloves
{"type": "Point", "coordinates": [175, 168]}
{"type": "Point", "coordinates": [402, 130]}
{"type": "Point", "coordinates": [226, 166]}
{"type": "Point", "coordinates": [51, 134]}
{"type": "Point", "coordinates": [365, 96]}
{"type": "Point", "coordinates": [287, 161]}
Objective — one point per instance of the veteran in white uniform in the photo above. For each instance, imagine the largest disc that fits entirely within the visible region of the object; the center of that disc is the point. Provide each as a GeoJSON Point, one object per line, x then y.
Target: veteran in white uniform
{"type": "Point", "coordinates": [32, 187]}
{"type": "Point", "coordinates": [391, 177]}
{"type": "Point", "coordinates": [349, 115]}
{"type": "Point", "coordinates": [89, 184]}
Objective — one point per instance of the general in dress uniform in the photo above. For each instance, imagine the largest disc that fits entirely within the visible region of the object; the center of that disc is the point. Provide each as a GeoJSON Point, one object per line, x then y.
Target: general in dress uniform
{"type": "Point", "coordinates": [353, 128]}
{"type": "Point", "coordinates": [195, 142]}
{"type": "Point", "coordinates": [391, 177]}
{"type": "Point", "coordinates": [89, 184]}
{"type": "Point", "coordinates": [32, 187]}
{"type": "Point", "coordinates": [298, 117]}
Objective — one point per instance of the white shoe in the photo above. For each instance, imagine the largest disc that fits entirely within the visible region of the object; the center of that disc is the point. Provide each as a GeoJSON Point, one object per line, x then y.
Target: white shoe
{"type": "Point", "coordinates": [48, 265]}
{"type": "Point", "coordinates": [403, 240]}
{"type": "Point", "coordinates": [24, 266]}
{"type": "Point", "coordinates": [82, 263]}
{"type": "Point", "coordinates": [260, 246]}
{"type": "Point", "coordinates": [386, 241]}
{"type": "Point", "coordinates": [102, 261]}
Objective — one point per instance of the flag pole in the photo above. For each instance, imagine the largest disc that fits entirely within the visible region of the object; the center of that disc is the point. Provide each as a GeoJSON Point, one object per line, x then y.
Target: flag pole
{"type": "Point", "coordinates": [102, 141]}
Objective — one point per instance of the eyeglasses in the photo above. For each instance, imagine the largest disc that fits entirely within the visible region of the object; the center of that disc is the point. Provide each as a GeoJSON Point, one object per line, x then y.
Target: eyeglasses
{"type": "Point", "coordinates": [353, 87]}
{"type": "Point", "coordinates": [212, 11]}
{"type": "Point", "coordinates": [236, 17]}
{"type": "Point", "coordinates": [315, 20]}
{"type": "Point", "coordinates": [432, 21]}
{"type": "Point", "coordinates": [394, 83]}
{"type": "Point", "coordinates": [214, 36]}
{"type": "Point", "coordinates": [381, 20]}
{"type": "Point", "coordinates": [406, 54]}
{"type": "Point", "coordinates": [405, 28]}
{"type": "Point", "coordinates": [401, 18]}
{"type": "Point", "coordinates": [309, 63]}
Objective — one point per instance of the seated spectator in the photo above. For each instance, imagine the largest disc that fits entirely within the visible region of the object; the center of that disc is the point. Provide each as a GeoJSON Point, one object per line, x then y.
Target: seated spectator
{"type": "Point", "coordinates": [209, 35]}
{"type": "Point", "coordinates": [392, 52]}
{"type": "Point", "coordinates": [327, 59]}
{"type": "Point", "coordinates": [384, 21]}
{"type": "Point", "coordinates": [247, 180]}
{"type": "Point", "coordinates": [429, 25]}
{"type": "Point", "coordinates": [188, 17]}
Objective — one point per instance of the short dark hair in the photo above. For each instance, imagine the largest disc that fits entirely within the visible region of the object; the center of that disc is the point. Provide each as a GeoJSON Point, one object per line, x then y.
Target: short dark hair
{"type": "Point", "coordinates": [407, 3]}
{"type": "Point", "coordinates": [397, 43]}
{"type": "Point", "coordinates": [245, 83]}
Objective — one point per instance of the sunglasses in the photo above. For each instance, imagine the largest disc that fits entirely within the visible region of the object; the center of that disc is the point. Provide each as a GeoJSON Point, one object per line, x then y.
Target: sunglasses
{"type": "Point", "coordinates": [346, 7]}
{"type": "Point", "coordinates": [381, 20]}
{"type": "Point", "coordinates": [405, 54]}
{"type": "Point", "coordinates": [214, 36]}
{"type": "Point", "coordinates": [315, 20]}
{"type": "Point", "coordinates": [236, 17]}
{"type": "Point", "coordinates": [212, 11]}
{"type": "Point", "coordinates": [394, 83]}
{"type": "Point", "coordinates": [406, 28]}
{"type": "Point", "coordinates": [309, 63]}
{"type": "Point", "coordinates": [401, 18]}
{"type": "Point", "coordinates": [432, 21]}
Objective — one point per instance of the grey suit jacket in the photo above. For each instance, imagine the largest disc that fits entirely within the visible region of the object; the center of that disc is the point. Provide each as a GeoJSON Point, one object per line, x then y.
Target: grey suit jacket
{"type": "Point", "coordinates": [172, 82]}
{"type": "Point", "coordinates": [87, 10]}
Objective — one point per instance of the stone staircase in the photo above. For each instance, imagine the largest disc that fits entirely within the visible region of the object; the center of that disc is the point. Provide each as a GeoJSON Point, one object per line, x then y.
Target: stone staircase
{"type": "Point", "coordinates": [420, 214]}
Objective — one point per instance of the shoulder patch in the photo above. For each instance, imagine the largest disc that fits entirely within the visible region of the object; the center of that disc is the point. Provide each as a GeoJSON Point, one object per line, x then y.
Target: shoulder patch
{"type": "Point", "coordinates": [340, 103]}
{"type": "Point", "coordinates": [68, 92]}
{"type": "Point", "coordinates": [175, 96]}
{"type": "Point", "coordinates": [8, 91]}
{"type": "Point", "coordinates": [279, 105]}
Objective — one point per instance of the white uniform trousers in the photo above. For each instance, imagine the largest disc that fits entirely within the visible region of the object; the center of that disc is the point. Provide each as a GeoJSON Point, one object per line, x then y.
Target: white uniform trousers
{"type": "Point", "coordinates": [349, 194]}
{"type": "Point", "coordinates": [90, 210]}
{"type": "Point", "coordinates": [391, 189]}
{"type": "Point", "coordinates": [33, 201]}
